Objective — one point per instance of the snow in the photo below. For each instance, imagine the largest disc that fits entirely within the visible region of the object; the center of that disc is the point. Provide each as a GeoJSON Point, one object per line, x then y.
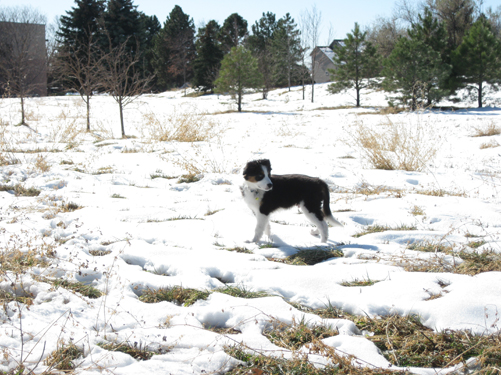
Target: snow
{"type": "Point", "coordinates": [158, 233]}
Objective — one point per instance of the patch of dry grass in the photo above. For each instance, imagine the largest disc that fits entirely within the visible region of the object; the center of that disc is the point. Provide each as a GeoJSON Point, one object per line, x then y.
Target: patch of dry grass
{"type": "Point", "coordinates": [136, 350]}
{"type": "Point", "coordinates": [376, 228]}
{"type": "Point", "coordinates": [395, 146]}
{"type": "Point", "coordinates": [294, 336]}
{"type": "Point", "coordinates": [491, 144]}
{"type": "Point", "coordinates": [63, 358]}
{"type": "Point", "coordinates": [487, 131]}
{"type": "Point", "coordinates": [309, 257]}
{"type": "Point", "coordinates": [20, 190]}
{"type": "Point", "coordinates": [187, 125]}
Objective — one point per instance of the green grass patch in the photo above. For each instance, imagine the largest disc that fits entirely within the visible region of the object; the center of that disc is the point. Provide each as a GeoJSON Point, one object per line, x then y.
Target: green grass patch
{"type": "Point", "coordinates": [405, 341]}
{"type": "Point", "coordinates": [6, 297]}
{"type": "Point", "coordinates": [64, 356]}
{"type": "Point", "coordinates": [239, 249]}
{"type": "Point", "coordinates": [188, 178]}
{"type": "Point", "coordinates": [103, 170]}
{"type": "Point", "coordinates": [362, 282]}
{"type": "Point", "coordinates": [297, 334]}
{"type": "Point", "coordinates": [70, 207]}
{"type": "Point", "coordinates": [159, 174]}
{"type": "Point", "coordinates": [135, 350]}
{"type": "Point", "coordinates": [176, 294]}
{"type": "Point", "coordinates": [430, 247]}
{"type": "Point", "coordinates": [476, 244]}
{"type": "Point", "coordinates": [183, 217]}
{"type": "Point", "coordinates": [478, 262]}
{"type": "Point", "coordinates": [118, 196]}
{"type": "Point", "coordinates": [307, 257]}
{"type": "Point", "coordinates": [268, 245]}
{"type": "Point", "coordinates": [242, 292]}
{"type": "Point", "coordinates": [99, 253]}
{"type": "Point", "coordinates": [20, 190]}
{"type": "Point", "coordinates": [75, 286]}
{"type": "Point", "coordinates": [383, 228]}
{"type": "Point", "coordinates": [259, 364]}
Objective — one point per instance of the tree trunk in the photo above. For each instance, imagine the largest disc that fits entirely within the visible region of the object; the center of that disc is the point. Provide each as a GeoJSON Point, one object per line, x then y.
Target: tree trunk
{"type": "Point", "coordinates": [22, 111]}
{"type": "Point", "coordinates": [122, 119]}
{"type": "Point", "coordinates": [88, 112]}
{"type": "Point", "coordinates": [480, 94]}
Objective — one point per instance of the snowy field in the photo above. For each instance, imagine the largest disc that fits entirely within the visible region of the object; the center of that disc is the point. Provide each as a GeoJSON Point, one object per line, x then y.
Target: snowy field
{"type": "Point", "coordinates": [133, 216]}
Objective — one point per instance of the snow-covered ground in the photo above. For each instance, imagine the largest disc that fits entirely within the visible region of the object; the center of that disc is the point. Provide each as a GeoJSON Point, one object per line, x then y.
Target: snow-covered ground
{"type": "Point", "coordinates": [135, 232]}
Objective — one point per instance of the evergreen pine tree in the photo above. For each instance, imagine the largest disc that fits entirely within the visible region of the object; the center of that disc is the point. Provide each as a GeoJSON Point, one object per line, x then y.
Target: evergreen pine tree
{"type": "Point", "coordinates": [123, 24]}
{"type": "Point", "coordinates": [260, 44]}
{"type": "Point", "coordinates": [239, 71]}
{"type": "Point", "coordinates": [416, 66]}
{"type": "Point", "coordinates": [152, 26]}
{"type": "Point", "coordinates": [175, 49]}
{"type": "Point", "coordinates": [80, 23]}
{"type": "Point", "coordinates": [209, 55]}
{"type": "Point", "coordinates": [478, 58]}
{"type": "Point", "coordinates": [356, 63]}
{"type": "Point", "coordinates": [233, 32]}
{"type": "Point", "coordinates": [286, 50]}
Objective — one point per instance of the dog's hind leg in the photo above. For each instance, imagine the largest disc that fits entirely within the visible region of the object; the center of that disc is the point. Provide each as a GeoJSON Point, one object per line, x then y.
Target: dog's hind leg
{"type": "Point", "coordinates": [322, 227]}
{"type": "Point", "coordinates": [261, 225]}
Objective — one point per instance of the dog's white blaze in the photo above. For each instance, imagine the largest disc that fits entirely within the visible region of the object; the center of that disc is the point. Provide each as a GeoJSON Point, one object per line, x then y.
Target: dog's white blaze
{"type": "Point", "coordinates": [263, 184]}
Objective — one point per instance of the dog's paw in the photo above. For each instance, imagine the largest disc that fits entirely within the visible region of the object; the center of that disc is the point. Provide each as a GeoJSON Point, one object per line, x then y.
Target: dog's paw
{"type": "Point", "coordinates": [314, 232]}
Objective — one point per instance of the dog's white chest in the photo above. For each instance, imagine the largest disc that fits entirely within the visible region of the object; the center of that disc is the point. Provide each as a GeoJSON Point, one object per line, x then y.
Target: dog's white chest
{"type": "Point", "coordinates": [252, 198]}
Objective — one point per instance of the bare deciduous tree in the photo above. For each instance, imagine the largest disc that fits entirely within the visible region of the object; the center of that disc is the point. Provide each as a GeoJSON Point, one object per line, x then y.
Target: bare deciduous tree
{"type": "Point", "coordinates": [82, 68]}
{"type": "Point", "coordinates": [22, 54]}
{"type": "Point", "coordinates": [311, 21]}
{"type": "Point", "coordinates": [123, 78]}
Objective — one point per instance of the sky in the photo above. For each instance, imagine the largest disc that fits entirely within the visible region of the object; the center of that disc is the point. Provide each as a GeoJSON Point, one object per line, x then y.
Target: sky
{"type": "Point", "coordinates": [338, 17]}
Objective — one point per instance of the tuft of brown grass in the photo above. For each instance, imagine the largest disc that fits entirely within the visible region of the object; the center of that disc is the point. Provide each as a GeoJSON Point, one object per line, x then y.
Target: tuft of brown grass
{"type": "Point", "coordinates": [41, 164]}
{"type": "Point", "coordinates": [64, 356]}
{"type": "Point", "coordinates": [491, 144]}
{"type": "Point", "coordinates": [441, 193]}
{"type": "Point", "coordinates": [294, 336]}
{"type": "Point", "coordinates": [20, 190]}
{"type": "Point", "coordinates": [135, 350]}
{"type": "Point", "coordinates": [189, 125]}
{"type": "Point", "coordinates": [487, 131]}
{"type": "Point", "coordinates": [396, 146]}
{"type": "Point", "coordinates": [367, 189]}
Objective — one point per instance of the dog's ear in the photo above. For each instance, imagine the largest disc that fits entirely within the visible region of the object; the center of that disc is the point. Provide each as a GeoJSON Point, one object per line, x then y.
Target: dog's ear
{"type": "Point", "coordinates": [247, 167]}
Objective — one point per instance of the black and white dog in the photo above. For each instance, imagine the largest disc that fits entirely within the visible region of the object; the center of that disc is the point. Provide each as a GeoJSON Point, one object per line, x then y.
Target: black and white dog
{"type": "Point", "coordinates": [265, 193]}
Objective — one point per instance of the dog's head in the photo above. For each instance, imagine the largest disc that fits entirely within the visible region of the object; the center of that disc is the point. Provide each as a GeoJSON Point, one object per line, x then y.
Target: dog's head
{"type": "Point", "coordinates": [257, 174]}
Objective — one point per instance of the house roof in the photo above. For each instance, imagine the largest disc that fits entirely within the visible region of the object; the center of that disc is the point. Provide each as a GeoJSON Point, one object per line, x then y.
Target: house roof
{"type": "Point", "coordinates": [327, 50]}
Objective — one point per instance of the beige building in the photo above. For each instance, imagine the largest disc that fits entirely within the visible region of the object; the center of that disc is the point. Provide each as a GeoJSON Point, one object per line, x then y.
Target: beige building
{"type": "Point", "coordinates": [322, 59]}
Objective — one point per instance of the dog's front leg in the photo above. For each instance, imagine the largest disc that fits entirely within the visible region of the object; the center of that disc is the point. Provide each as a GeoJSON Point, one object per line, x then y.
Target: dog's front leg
{"type": "Point", "coordinates": [261, 225]}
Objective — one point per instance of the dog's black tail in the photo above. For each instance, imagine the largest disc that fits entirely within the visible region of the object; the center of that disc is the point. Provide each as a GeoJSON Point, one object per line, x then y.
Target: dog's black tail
{"type": "Point", "coordinates": [326, 208]}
